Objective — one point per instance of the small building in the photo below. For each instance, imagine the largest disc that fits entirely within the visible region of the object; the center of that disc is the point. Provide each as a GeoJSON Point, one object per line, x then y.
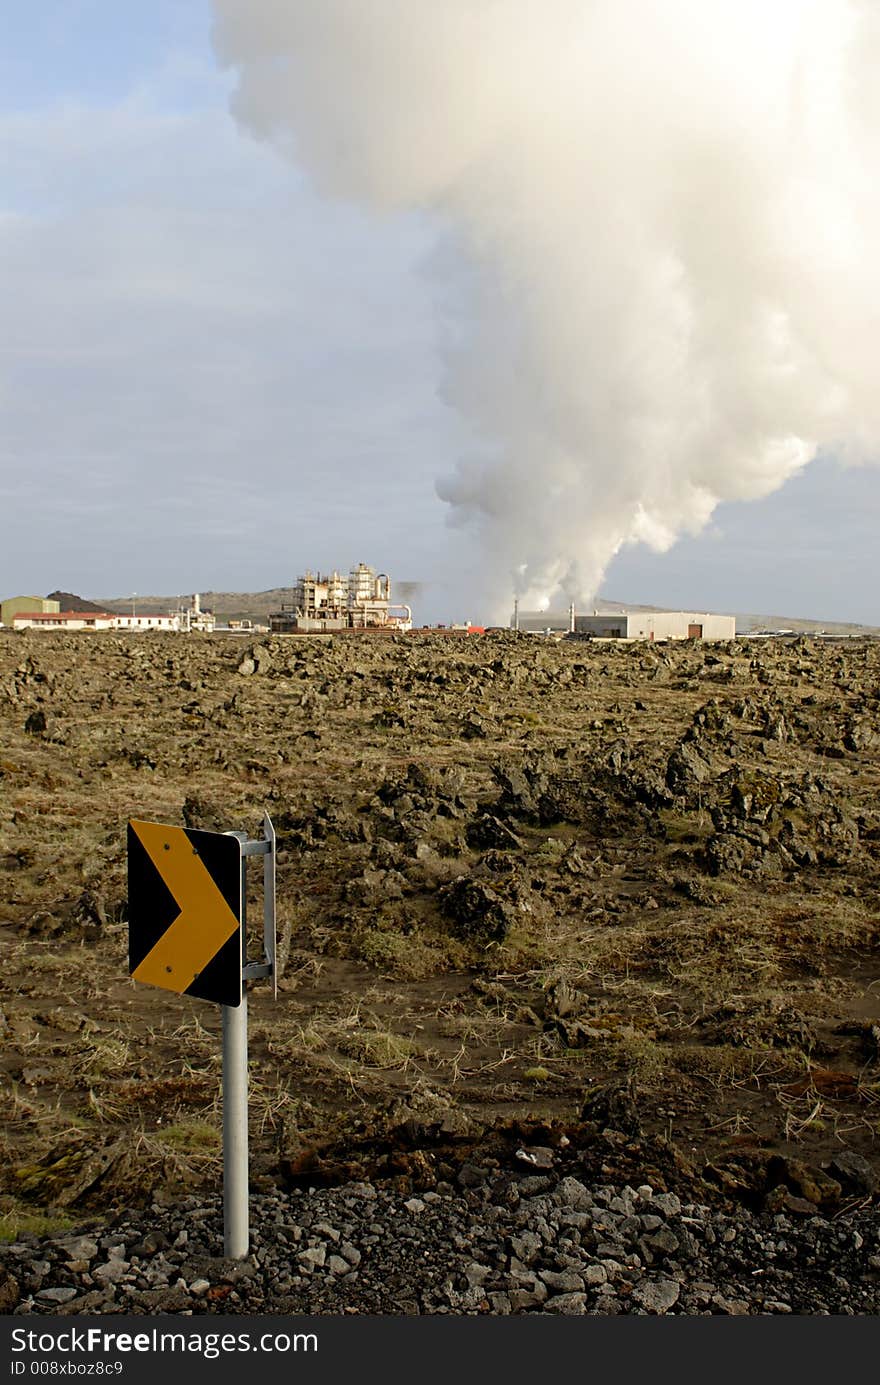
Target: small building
{"type": "Point", "coordinates": [15, 605]}
{"type": "Point", "coordinates": [64, 620]}
{"type": "Point", "coordinates": [147, 620]}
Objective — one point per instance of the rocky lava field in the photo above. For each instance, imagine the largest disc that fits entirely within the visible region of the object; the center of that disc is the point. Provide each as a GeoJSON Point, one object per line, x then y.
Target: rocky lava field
{"type": "Point", "coordinates": [613, 899]}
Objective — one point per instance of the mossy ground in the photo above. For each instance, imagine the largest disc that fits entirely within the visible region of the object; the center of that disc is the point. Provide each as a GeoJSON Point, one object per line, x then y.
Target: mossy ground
{"type": "Point", "coordinates": [744, 1004]}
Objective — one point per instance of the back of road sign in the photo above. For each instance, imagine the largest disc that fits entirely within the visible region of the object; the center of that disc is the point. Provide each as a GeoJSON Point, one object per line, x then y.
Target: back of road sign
{"type": "Point", "coordinates": [185, 911]}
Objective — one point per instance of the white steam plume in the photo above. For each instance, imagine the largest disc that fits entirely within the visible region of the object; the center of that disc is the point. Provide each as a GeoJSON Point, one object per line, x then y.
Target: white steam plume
{"type": "Point", "coordinates": [673, 211]}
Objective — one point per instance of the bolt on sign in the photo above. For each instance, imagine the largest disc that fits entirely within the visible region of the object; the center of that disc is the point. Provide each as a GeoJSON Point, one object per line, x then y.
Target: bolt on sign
{"type": "Point", "coordinates": [185, 903]}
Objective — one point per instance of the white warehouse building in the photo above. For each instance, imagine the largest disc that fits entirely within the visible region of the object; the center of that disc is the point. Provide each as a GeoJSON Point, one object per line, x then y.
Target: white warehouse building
{"type": "Point", "coordinates": [657, 625]}
{"type": "Point", "coordinates": [628, 625]}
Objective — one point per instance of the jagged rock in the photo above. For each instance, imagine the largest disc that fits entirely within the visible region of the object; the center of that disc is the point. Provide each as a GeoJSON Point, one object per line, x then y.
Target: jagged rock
{"type": "Point", "coordinates": [517, 797]}
{"type": "Point", "coordinates": [810, 1183]}
{"type": "Point", "coordinates": [68, 1174]}
{"type": "Point", "coordinates": [79, 1247]}
{"type": "Point", "coordinates": [657, 1295]}
{"type": "Point", "coordinates": [425, 1115]}
{"type": "Point", "coordinates": [776, 728]}
{"type": "Point", "coordinates": [861, 734]}
{"type": "Point", "coordinates": [753, 797]}
{"type": "Point", "coordinates": [727, 853]}
{"type": "Point", "coordinates": [573, 863]}
{"type": "Point", "coordinates": [9, 1291]}
{"type": "Point", "coordinates": [569, 1304]}
{"type": "Point", "coordinates": [742, 1023]}
{"type": "Point", "coordinates": [88, 914]}
{"type": "Point", "coordinates": [613, 1106]}
{"type": "Point", "coordinates": [151, 1243]}
{"type": "Point", "coordinates": [854, 1172]}
{"type": "Point", "coordinates": [475, 727]}
{"type": "Point", "coordinates": [256, 660]}
{"type": "Point", "coordinates": [206, 816]}
{"type": "Point", "coordinates": [477, 911]}
{"type": "Point", "coordinates": [686, 769]}
{"type": "Point", "coordinates": [487, 832]}
{"type": "Point", "coordinates": [695, 888]}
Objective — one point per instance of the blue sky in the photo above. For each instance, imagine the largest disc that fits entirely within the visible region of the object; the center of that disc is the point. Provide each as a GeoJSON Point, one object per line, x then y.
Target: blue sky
{"type": "Point", "coordinates": [211, 378]}
{"type": "Point", "coordinates": [97, 51]}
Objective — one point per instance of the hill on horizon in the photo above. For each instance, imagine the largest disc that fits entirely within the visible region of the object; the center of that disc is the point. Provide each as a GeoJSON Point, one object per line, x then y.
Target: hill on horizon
{"type": "Point", "coordinates": [225, 605]}
{"type": "Point", "coordinates": [69, 602]}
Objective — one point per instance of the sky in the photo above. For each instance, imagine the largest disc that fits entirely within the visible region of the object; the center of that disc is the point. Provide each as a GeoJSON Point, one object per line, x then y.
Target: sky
{"type": "Point", "coordinates": [215, 374]}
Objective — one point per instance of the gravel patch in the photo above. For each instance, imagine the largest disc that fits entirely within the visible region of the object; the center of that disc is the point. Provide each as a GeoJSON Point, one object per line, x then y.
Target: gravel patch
{"type": "Point", "coordinates": [506, 1246]}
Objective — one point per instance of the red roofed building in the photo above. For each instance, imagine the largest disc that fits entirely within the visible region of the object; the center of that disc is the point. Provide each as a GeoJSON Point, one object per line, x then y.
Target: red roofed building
{"type": "Point", "coordinates": [92, 620]}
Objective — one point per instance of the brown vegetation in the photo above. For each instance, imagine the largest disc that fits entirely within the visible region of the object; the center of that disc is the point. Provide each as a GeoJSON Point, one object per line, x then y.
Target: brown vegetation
{"type": "Point", "coordinates": [517, 879]}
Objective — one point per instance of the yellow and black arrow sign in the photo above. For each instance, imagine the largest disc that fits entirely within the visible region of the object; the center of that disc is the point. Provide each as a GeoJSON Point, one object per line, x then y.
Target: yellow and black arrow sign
{"type": "Point", "coordinates": [185, 911]}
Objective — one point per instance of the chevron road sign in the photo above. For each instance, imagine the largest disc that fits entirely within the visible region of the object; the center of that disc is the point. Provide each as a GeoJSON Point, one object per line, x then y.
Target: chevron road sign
{"type": "Point", "coordinates": [185, 911]}
{"type": "Point", "coordinates": [187, 926]}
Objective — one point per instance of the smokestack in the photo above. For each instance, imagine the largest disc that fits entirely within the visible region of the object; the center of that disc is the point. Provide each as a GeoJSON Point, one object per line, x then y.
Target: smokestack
{"type": "Point", "coordinates": [571, 619]}
{"type": "Point", "coordinates": [516, 613]}
{"type": "Point", "coordinates": [666, 221]}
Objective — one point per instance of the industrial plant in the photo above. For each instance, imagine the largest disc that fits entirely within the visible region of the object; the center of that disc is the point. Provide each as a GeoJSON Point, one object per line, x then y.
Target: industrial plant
{"type": "Point", "coordinates": [333, 604]}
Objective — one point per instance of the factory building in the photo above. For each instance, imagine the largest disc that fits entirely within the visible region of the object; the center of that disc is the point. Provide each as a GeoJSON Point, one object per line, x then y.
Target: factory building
{"type": "Point", "coordinates": [192, 617]}
{"type": "Point", "coordinates": [14, 605]}
{"type": "Point", "coordinates": [333, 604]}
{"type": "Point", "coordinates": [628, 625]}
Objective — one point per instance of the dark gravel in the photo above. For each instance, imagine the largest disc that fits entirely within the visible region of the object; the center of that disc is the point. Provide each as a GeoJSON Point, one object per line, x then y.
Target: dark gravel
{"type": "Point", "coordinates": [537, 1242]}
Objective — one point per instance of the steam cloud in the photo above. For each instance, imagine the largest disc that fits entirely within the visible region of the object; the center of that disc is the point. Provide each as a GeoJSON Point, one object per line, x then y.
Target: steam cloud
{"type": "Point", "coordinates": [409, 591]}
{"type": "Point", "coordinates": [671, 211]}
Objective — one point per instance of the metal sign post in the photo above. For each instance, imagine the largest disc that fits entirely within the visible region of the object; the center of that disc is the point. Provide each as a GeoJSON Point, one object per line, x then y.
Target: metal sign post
{"type": "Point", "coordinates": [236, 1224]}
{"type": "Point", "coordinates": [187, 895]}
